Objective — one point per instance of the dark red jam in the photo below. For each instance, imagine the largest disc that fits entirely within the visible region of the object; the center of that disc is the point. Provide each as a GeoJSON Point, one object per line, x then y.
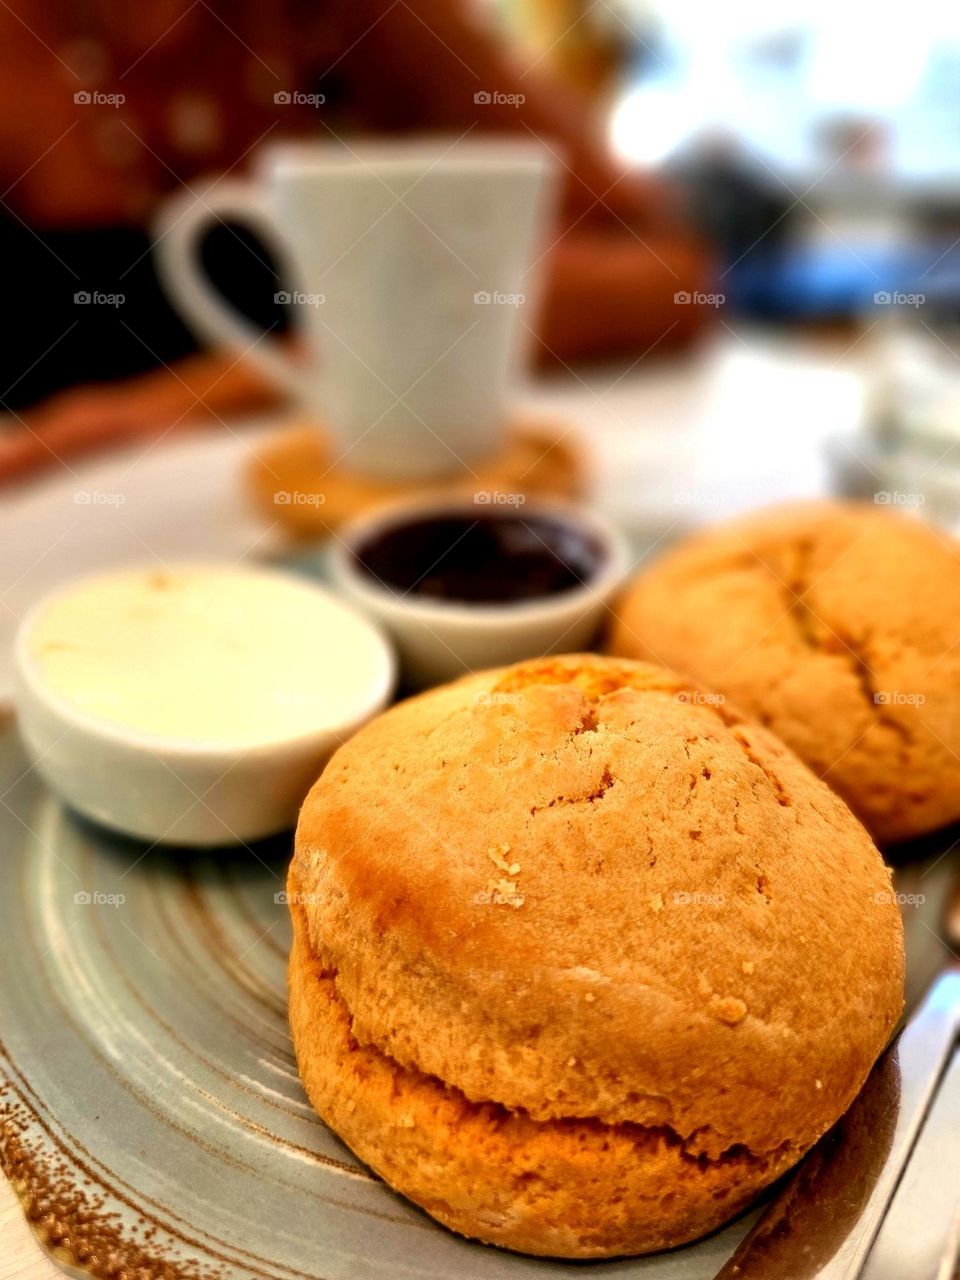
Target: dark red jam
{"type": "Point", "coordinates": [492, 557]}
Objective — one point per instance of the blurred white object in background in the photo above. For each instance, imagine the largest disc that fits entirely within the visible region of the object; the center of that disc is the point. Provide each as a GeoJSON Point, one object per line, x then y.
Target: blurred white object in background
{"type": "Point", "coordinates": [910, 439]}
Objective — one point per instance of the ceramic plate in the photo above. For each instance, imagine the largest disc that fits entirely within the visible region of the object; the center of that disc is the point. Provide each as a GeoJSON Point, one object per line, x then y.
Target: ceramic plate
{"type": "Point", "coordinates": [152, 1119]}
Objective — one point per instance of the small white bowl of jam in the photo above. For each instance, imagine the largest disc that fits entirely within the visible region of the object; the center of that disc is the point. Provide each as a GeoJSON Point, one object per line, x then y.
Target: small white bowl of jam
{"type": "Point", "coordinates": [194, 705]}
{"type": "Point", "coordinates": [461, 585]}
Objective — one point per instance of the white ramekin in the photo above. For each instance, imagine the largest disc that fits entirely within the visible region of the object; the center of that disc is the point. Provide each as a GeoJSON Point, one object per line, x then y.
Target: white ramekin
{"type": "Point", "coordinates": [439, 640]}
{"type": "Point", "coordinates": [172, 791]}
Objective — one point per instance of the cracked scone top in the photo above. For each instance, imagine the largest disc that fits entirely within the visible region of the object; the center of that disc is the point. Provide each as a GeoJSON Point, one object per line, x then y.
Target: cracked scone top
{"type": "Point", "coordinates": [835, 624]}
{"type": "Point", "coordinates": [581, 961]}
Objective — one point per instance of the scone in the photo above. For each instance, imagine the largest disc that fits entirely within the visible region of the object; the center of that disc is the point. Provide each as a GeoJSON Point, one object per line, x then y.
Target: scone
{"type": "Point", "coordinates": [837, 625]}
{"type": "Point", "coordinates": [582, 961]}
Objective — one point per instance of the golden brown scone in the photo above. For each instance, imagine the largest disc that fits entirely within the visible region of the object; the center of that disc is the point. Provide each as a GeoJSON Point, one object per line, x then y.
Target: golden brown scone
{"type": "Point", "coordinates": [582, 961]}
{"type": "Point", "coordinates": [296, 482]}
{"type": "Point", "coordinates": [837, 625]}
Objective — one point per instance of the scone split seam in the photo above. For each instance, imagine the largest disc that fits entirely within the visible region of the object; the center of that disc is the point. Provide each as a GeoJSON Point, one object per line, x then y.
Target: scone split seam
{"type": "Point", "coordinates": [738, 1153]}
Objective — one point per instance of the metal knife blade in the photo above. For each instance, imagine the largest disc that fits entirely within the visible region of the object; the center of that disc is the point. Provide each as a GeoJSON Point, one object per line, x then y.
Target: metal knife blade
{"type": "Point", "coordinates": [822, 1224]}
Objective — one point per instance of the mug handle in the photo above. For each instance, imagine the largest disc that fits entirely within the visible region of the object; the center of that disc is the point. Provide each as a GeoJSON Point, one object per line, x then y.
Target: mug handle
{"type": "Point", "coordinates": [180, 224]}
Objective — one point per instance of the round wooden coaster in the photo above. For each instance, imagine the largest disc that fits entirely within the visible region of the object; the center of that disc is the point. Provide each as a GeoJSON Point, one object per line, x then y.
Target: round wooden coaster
{"type": "Point", "coordinates": [294, 483]}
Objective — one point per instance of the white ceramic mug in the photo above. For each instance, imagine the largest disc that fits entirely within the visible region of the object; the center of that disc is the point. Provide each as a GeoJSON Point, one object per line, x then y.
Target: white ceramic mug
{"type": "Point", "coordinates": [409, 267]}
